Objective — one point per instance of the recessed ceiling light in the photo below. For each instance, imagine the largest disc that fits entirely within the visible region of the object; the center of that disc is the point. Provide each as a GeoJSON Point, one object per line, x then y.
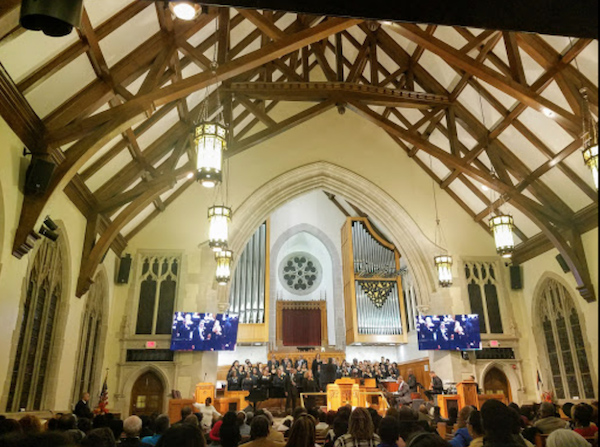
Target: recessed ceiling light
{"type": "Point", "coordinates": [185, 10]}
{"type": "Point", "coordinates": [549, 113]}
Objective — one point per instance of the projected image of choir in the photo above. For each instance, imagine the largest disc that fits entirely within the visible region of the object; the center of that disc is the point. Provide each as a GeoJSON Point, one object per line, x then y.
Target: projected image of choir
{"type": "Point", "coordinates": [204, 332]}
{"type": "Point", "coordinates": [448, 332]}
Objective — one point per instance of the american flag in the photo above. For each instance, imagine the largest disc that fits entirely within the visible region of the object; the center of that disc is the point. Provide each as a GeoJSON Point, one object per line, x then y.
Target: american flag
{"type": "Point", "coordinates": [103, 400]}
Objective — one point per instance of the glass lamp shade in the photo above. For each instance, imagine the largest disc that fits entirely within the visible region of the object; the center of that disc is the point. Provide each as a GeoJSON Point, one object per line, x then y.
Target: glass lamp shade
{"type": "Point", "coordinates": [218, 230]}
{"type": "Point", "coordinates": [590, 156]}
{"type": "Point", "coordinates": [210, 141]}
{"type": "Point", "coordinates": [185, 10]}
{"type": "Point", "coordinates": [224, 259]}
{"type": "Point", "coordinates": [443, 265]}
{"type": "Point", "coordinates": [502, 227]}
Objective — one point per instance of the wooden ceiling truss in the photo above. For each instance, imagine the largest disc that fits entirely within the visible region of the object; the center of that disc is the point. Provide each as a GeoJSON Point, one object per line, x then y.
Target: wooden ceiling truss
{"type": "Point", "coordinates": [325, 62]}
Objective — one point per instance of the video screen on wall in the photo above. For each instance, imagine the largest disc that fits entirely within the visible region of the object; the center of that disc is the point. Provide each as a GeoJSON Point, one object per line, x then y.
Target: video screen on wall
{"type": "Point", "coordinates": [193, 331]}
{"type": "Point", "coordinates": [448, 332]}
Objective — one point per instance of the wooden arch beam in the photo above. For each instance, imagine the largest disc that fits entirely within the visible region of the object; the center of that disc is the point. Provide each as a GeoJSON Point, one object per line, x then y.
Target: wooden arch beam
{"type": "Point", "coordinates": [97, 251]}
{"type": "Point", "coordinates": [569, 246]}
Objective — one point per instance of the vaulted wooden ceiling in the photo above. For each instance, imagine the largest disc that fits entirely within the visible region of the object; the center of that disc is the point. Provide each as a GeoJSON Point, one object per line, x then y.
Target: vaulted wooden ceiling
{"type": "Point", "coordinates": [114, 103]}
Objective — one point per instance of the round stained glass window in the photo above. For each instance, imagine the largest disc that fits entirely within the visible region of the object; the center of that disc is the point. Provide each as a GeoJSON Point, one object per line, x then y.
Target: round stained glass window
{"type": "Point", "coordinates": [300, 273]}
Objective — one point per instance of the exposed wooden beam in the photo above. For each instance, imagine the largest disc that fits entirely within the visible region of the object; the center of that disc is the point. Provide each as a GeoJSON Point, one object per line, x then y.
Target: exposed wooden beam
{"type": "Point", "coordinates": [340, 91]}
{"type": "Point", "coordinates": [267, 27]}
{"type": "Point", "coordinates": [525, 95]}
{"type": "Point", "coordinates": [514, 57]}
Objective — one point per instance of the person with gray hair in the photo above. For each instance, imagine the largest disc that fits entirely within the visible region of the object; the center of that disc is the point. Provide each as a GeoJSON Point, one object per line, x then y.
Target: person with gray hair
{"type": "Point", "coordinates": [161, 425]}
{"type": "Point", "coordinates": [132, 426]}
{"type": "Point", "coordinates": [548, 420]}
{"type": "Point", "coordinates": [563, 437]}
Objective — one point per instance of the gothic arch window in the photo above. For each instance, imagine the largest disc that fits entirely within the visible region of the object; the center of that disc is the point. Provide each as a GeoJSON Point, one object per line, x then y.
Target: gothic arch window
{"type": "Point", "coordinates": [158, 283]}
{"type": "Point", "coordinates": [564, 343]}
{"type": "Point", "coordinates": [483, 289]}
{"type": "Point", "coordinates": [92, 334]}
{"type": "Point", "coordinates": [37, 329]}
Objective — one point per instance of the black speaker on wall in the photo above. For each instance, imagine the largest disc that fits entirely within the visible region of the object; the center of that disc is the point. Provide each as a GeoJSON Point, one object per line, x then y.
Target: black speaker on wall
{"type": "Point", "coordinates": [38, 176]}
{"type": "Point", "coordinates": [563, 264]}
{"type": "Point", "coordinates": [516, 279]}
{"type": "Point", "coordinates": [124, 268]}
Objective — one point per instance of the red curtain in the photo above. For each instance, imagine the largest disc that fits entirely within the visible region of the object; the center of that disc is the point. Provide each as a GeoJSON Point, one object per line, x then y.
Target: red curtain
{"type": "Point", "coordinates": [301, 327]}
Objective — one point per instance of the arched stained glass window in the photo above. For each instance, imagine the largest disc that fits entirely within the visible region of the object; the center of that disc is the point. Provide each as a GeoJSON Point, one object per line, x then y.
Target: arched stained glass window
{"type": "Point", "coordinates": [37, 329]}
{"type": "Point", "coordinates": [158, 290]}
{"type": "Point", "coordinates": [564, 343]}
{"type": "Point", "coordinates": [87, 378]}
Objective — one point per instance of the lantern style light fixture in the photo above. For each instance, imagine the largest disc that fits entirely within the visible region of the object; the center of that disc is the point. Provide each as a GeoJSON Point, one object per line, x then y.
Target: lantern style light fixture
{"type": "Point", "coordinates": [185, 10]}
{"type": "Point", "coordinates": [224, 259]}
{"type": "Point", "coordinates": [502, 226]}
{"type": "Point", "coordinates": [443, 265]}
{"type": "Point", "coordinates": [219, 217]}
{"type": "Point", "coordinates": [590, 138]}
{"type": "Point", "coordinates": [210, 141]}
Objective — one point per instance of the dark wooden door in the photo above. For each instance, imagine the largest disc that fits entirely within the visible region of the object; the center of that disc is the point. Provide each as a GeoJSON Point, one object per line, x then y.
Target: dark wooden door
{"type": "Point", "coordinates": [495, 381]}
{"type": "Point", "coordinates": [147, 395]}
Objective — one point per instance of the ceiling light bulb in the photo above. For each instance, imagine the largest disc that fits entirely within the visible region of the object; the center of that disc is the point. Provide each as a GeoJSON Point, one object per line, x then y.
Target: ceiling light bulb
{"type": "Point", "coordinates": [185, 10]}
{"type": "Point", "coordinates": [190, 175]}
{"type": "Point", "coordinates": [485, 188]}
{"type": "Point", "coordinates": [549, 113]}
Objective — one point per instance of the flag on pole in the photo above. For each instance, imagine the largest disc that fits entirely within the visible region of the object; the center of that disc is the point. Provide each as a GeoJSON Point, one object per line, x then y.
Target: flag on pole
{"type": "Point", "coordinates": [103, 400]}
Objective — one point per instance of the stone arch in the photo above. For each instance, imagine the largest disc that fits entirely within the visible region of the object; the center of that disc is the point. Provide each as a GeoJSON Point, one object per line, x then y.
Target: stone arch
{"type": "Point", "coordinates": [538, 333]}
{"type": "Point", "coordinates": [514, 381]}
{"type": "Point", "coordinates": [336, 261]}
{"type": "Point", "coordinates": [55, 364]}
{"type": "Point", "coordinates": [405, 233]}
{"type": "Point", "coordinates": [136, 374]}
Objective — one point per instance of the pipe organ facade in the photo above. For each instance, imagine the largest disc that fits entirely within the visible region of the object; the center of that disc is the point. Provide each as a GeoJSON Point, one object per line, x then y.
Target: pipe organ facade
{"type": "Point", "coordinates": [372, 286]}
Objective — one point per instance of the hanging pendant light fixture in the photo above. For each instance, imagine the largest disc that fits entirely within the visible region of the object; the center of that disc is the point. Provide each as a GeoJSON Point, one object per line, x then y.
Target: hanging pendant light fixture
{"type": "Point", "coordinates": [590, 138]}
{"type": "Point", "coordinates": [210, 141]}
{"type": "Point", "coordinates": [443, 265]}
{"type": "Point", "coordinates": [219, 217]}
{"type": "Point", "coordinates": [502, 226]}
{"type": "Point", "coordinates": [224, 259]}
{"type": "Point", "coordinates": [443, 262]}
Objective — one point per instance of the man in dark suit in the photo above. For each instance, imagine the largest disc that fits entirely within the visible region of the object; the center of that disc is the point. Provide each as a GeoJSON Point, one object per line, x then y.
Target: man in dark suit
{"type": "Point", "coordinates": [413, 385]}
{"type": "Point", "coordinates": [436, 387]}
{"type": "Point", "coordinates": [300, 363]}
{"type": "Point", "coordinates": [82, 408]}
{"type": "Point", "coordinates": [328, 371]}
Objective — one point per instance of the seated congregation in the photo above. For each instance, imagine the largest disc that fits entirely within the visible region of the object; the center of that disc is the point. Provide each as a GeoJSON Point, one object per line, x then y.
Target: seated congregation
{"type": "Point", "coordinates": [495, 425]}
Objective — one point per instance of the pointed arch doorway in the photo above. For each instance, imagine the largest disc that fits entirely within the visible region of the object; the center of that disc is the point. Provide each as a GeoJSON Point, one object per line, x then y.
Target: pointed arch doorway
{"type": "Point", "coordinates": [496, 382]}
{"type": "Point", "coordinates": [147, 395]}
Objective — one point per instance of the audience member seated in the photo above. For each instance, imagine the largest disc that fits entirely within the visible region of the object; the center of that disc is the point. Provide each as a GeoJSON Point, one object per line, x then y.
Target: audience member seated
{"type": "Point", "coordinates": [437, 416]}
{"type": "Point", "coordinates": [452, 415]}
{"type": "Point", "coordinates": [47, 439]}
{"type": "Point", "coordinates": [548, 420]}
{"type": "Point", "coordinates": [192, 420]}
{"type": "Point", "coordinates": [582, 418]}
{"type": "Point", "coordinates": [84, 424]}
{"type": "Point", "coordinates": [185, 412]}
{"type": "Point", "coordinates": [302, 433]}
{"type": "Point", "coordinates": [406, 413]}
{"type": "Point", "coordinates": [375, 418]}
{"type": "Point", "coordinates": [462, 438]}
{"type": "Point", "coordinates": [425, 439]}
{"type": "Point", "coordinates": [31, 424]}
{"type": "Point", "coordinates": [563, 437]}
{"type": "Point", "coordinates": [501, 425]}
{"type": "Point", "coordinates": [68, 423]}
{"type": "Point", "coordinates": [424, 414]}
{"type": "Point", "coordinates": [340, 428]}
{"type": "Point", "coordinates": [100, 437]}
{"type": "Point", "coordinates": [132, 426]}
{"type": "Point", "coordinates": [360, 431]}
{"type": "Point", "coordinates": [182, 436]}
{"type": "Point", "coordinates": [229, 433]}
{"type": "Point", "coordinates": [389, 432]}
{"type": "Point", "coordinates": [259, 432]}
{"type": "Point", "coordinates": [274, 434]}
{"type": "Point", "coordinates": [475, 427]}
{"type": "Point", "coordinates": [161, 425]}
{"type": "Point", "coordinates": [146, 430]}
{"type": "Point", "coordinates": [242, 425]}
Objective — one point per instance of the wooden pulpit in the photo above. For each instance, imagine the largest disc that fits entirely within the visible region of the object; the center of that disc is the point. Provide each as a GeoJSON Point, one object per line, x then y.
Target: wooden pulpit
{"type": "Point", "coordinates": [467, 393]}
{"type": "Point", "coordinates": [204, 390]}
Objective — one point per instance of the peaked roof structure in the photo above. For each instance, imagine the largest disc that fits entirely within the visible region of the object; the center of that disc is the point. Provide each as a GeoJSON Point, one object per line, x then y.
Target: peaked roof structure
{"type": "Point", "coordinates": [114, 105]}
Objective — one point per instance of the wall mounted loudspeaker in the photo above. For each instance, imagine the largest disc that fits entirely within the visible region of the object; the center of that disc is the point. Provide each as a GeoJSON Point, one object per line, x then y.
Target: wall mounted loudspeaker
{"type": "Point", "coordinates": [516, 280]}
{"type": "Point", "coordinates": [38, 176]}
{"type": "Point", "coordinates": [54, 17]}
{"type": "Point", "coordinates": [563, 264]}
{"type": "Point", "coordinates": [124, 268]}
